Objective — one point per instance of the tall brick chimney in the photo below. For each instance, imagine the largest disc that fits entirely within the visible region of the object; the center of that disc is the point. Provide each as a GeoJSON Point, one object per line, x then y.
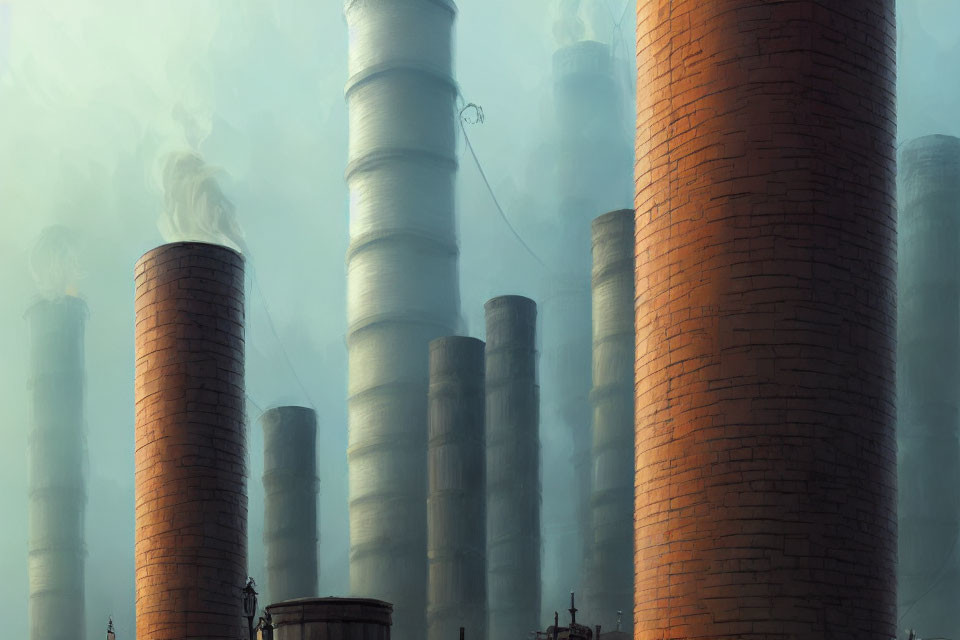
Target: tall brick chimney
{"type": "Point", "coordinates": [765, 315]}
{"type": "Point", "coordinates": [191, 497]}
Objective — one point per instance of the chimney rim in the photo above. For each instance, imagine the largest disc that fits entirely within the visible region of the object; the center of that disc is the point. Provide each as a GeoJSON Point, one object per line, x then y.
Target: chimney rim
{"type": "Point", "coordinates": [163, 248]}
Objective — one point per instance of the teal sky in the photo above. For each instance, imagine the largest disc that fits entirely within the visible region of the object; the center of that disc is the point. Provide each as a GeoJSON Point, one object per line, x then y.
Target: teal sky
{"type": "Point", "coordinates": [88, 95]}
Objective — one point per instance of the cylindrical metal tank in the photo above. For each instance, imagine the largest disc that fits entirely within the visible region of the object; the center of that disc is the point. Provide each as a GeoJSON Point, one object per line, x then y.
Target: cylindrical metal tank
{"type": "Point", "coordinates": [57, 463]}
{"type": "Point", "coordinates": [191, 498]}
{"type": "Point", "coordinates": [513, 468]}
{"type": "Point", "coordinates": [456, 502]}
{"type": "Point", "coordinates": [766, 320]}
{"type": "Point", "coordinates": [402, 283]}
{"type": "Point", "coordinates": [290, 502]}
{"type": "Point", "coordinates": [609, 581]}
{"type": "Point", "coordinates": [594, 174]}
{"type": "Point", "coordinates": [928, 371]}
{"type": "Point", "coordinates": [331, 619]}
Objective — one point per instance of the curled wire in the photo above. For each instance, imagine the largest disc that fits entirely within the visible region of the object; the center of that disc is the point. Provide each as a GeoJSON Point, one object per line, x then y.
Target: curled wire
{"type": "Point", "coordinates": [477, 118]}
{"type": "Point", "coordinates": [477, 113]}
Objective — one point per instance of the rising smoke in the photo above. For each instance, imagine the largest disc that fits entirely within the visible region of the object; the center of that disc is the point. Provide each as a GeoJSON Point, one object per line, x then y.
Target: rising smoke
{"type": "Point", "coordinates": [196, 124]}
{"type": "Point", "coordinates": [195, 208]}
{"type": "Point", "coordinates": [584, 20]}
{"type": "Point", "coordinates": [54, 262]}
{"type": "Point", "coordinates": [568, 27]}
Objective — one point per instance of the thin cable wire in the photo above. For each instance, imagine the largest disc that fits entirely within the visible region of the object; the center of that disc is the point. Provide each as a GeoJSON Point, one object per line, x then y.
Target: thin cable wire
{"type": "Point", "coordinates": [618, 24]}
{"type": "Point", "coordinates": [610, 11]}
{"type": "Point", "coordinates": [493, 195]}
{"type": "Point", "coordinates": [943, 572]}
{"type": "Point", "coordinates": [273, 329]}
{"type": "Point", "coordinates": [255, 404]}
{"type": "Point", "coordinates": [283, 349]}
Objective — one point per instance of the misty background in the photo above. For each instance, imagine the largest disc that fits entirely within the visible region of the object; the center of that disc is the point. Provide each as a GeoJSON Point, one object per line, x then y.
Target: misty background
{"type": "Point", "coordinates": [94, 93]}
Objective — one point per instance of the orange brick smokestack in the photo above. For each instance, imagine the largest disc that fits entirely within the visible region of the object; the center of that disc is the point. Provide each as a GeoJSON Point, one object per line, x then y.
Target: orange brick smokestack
{"type": "Point", "coordinates": [765, 318]}
{"type": "Point", "coordinates": [191, 501]}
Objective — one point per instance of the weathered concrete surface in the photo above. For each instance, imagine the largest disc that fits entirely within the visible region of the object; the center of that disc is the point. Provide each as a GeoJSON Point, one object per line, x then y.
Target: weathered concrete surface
{"type": "Point", "coordinates": [513, 468]}
{"type": "Point", "coordinates": [609, 579]}
{"type": "Point", "coordinates": [594, 174]}
{"type": "Point", "coordinates": [457, 491]}
{"type": "Point", "coordinates": [290, 502]}
{"type": "Point", "coordinates": [57, 461]}
{"type": "Point", "coordinates": [402, 283]}
{"type": "Point", "coordinates": [928, 380]}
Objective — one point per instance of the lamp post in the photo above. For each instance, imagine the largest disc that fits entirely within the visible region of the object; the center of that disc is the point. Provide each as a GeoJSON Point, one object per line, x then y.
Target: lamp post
{"type": "Point", "coordinates": [250, 604]}
{"type": "Point", "coordinates": [110, 634]}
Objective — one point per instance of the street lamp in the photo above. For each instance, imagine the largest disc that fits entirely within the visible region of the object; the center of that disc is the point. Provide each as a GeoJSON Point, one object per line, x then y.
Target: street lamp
{"type": "Point", "coordinates": [250, 604]}
{"type": "Point", "coordinates": [110, 634]}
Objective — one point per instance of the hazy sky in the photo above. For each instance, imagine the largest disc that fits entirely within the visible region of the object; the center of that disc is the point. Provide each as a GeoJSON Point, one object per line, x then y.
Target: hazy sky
{"type": "Point", "coordinates": [93, 92]}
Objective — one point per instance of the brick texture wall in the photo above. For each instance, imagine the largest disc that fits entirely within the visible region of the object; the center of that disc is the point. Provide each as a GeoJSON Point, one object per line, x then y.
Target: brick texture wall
{"type": "Point", "coordinates": [765, 315]}
{"type": "Point", "coordinates": [191, 501]}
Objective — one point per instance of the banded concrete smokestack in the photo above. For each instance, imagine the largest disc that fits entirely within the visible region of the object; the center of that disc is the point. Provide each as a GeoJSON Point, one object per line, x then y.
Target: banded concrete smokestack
{"type": "Point", "coordinates": [609, 587]}
{"type": "Point", "coordinates": [594, 173]}
{"type": "Point", "coordinates": [766, 320]}
{"type": "Point", "coordinates": [57, 462]}
{"type": "Point", "coordinates": [402, 284]}
{"type": "Point", "coordinates": [928, 368]}
{"type": "Point", "coordinates": [456, 506]}
{"type": "Point", "coordinates": [191, 499]}
{"type": "Point", "coordinates": [290, 502]}
{"type": "Point", "coordinates": [513, 468]}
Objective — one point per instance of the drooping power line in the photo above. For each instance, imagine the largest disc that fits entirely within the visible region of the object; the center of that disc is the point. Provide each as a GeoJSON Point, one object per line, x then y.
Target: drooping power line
{"type": "Point", "coordinates": [478, 119]}
{"type": "Point", "coordinates": [276, 335]}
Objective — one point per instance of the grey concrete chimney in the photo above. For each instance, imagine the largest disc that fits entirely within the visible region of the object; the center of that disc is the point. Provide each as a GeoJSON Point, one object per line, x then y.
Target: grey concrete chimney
{"type": "Point", "coordinates": [290, 502]}
{"type": "Point", "coordinates": [928, 373]}
{"type": "Point", "coordinates": [609, 579]}
{"type": "Point", "coordinates": [57, 469]}
{"type": "Point", "coordinates": [513, 468]}
{"type": "Point", "coordinates": [594, 167]}
{"type": "Point", "coordinates": [456, 503]}
{"type": "Point", "coordinates": [402, 284]}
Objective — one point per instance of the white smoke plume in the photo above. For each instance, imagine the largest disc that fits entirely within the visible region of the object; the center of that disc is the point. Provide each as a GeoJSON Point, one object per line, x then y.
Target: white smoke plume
{"type": "Point", "coordinates": [197, 124]}
{"type": "Point", "coordinates": [578, 20]}
{"type": "Point", "coordinates": [54, 262]}
{"type": "Point", "coordinates": [568, 27]}
{"type": "Point", "coordinates": [195, 208]}
{"type": "Point", "coordinates": [599, 19]}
